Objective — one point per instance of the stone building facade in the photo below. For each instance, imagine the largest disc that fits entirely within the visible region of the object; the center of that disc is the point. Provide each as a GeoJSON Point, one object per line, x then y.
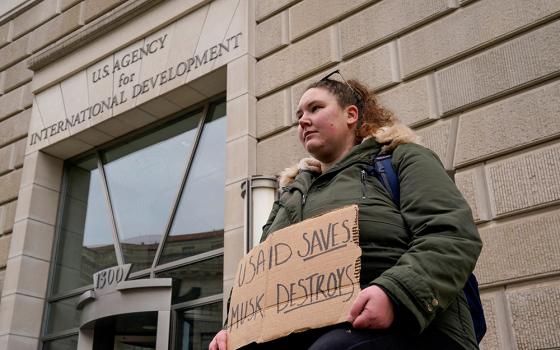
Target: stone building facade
{"type": "Point", "coordinates": [477, 79]}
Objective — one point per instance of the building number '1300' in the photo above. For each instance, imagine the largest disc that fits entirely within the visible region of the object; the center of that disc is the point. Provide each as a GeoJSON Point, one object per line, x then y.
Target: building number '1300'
{"type": "Point", "coordinates": [110, 277]}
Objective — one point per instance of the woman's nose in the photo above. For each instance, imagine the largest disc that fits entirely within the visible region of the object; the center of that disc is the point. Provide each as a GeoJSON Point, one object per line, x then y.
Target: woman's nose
{"type": "Point", "coordinates": [303, 120]}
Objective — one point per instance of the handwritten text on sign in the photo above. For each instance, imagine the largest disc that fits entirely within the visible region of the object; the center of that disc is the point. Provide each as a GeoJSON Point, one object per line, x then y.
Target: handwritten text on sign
{"type": "Point", "coordinates": [304, 276]}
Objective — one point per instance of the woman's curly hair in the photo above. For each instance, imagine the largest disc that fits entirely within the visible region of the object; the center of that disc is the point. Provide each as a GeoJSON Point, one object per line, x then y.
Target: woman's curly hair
{"type": "Point", "coordinates": [371, 115]}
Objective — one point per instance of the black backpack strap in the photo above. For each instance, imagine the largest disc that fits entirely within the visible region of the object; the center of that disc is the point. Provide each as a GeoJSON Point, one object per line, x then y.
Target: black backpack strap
{"type": "Point", "coordinates": [382, 169]}
{"type": "Point", "coordinates": [472, 294]}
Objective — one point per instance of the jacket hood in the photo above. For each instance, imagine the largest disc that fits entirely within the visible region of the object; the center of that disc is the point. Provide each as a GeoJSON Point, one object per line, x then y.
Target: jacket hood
{"type": "Point", "coordinates": [389, 137]}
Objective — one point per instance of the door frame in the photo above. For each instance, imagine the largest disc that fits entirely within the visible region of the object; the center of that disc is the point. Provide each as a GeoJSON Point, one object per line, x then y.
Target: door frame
{"type": "Point", "coordinates": [153, 294]}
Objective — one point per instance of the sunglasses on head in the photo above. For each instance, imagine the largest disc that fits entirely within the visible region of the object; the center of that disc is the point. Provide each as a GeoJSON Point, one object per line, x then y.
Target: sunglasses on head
{"type": "Point", "coordinates": [359, 101]}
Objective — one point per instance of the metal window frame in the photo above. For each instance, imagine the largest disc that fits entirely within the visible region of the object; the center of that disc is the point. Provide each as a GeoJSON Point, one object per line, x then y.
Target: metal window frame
{"type": "Point", "coordinates": [190, 114]}
{"type": "Point", "coordinates": [206, 108]}
{"type": "Point", "coordinates": [55, 248]}
{"type": "Point", "coordinates": [116, 238]}
{"type": "Point", "coordinates": [60, 335]}
{"type": "Point", "coordinates": [69, 293]}
{"type": "Point", "coordinates": [177, 263]}
{"type": "Point", "coordinates": [181, 307]}
{"type": "Point", "coordinates": [190, 260]}
{"type": "Point", "coordinates": [181, 188]}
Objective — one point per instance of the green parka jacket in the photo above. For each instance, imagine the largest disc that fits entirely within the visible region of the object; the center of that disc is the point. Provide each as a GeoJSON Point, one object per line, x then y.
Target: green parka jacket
{"type": "Point", "coordinates": [421, 253]}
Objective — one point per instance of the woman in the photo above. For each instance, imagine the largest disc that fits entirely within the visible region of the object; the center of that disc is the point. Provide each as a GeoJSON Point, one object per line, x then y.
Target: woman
{"type": "Point", "coordinates": [416, 256]}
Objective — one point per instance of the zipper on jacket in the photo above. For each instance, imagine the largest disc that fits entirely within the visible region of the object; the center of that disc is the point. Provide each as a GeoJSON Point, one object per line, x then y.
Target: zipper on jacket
{"type": "Point", "coordinates": [303, 199]}
{"type": "Point", "coordinates": [363, 178]}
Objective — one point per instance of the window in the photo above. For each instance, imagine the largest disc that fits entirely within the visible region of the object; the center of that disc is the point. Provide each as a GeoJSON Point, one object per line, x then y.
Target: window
{"type": "Point", "coordinates": [197, 326]}
{"type": "Point", "coordinates": [156, 201]}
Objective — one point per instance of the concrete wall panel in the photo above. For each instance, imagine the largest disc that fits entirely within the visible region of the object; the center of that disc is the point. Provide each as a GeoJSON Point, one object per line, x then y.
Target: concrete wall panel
{"type": "Point", "coordinates": [270, 161]}
{"type": "Point", "coordinates": [525, 181]}
{"type": "Point", "coordinates": [309, 15]}
{"type": "Point", "coordinates": [470, 27]}
{"type": "Point", "coordinates": [520, 248]}
{"type": "Point", "coordinates": [509, 66]}
{"type": "Point", "coordinates": [297, 60]}
{"type": "Point", "coordinates": [377, 68]}
{"type": "Point", "coordinates": [264, 8]}
{"type": "Point", "coordinates": [386, 19]}
{"type": "Point", "coordinates": [413, 102]}
{"type": "Point", "coordinates": [34, 17]}
{"type": "Point", "coordinates": [271, 34]}
{"type": "Point", "coordinates": [515, 122]}
{"type": "Point", "coordinates": [440, 138]}
{"type": "Point", "coordinates": [473, 187]}
{"type": "Point", "coordinates": [274, 113]}
{"type": "Point", "coordinates": [535, 317]}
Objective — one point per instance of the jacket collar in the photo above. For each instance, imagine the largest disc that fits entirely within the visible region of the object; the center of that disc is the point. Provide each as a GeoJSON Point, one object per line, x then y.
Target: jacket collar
{"type": "Point", "coordinates": [363, 152]}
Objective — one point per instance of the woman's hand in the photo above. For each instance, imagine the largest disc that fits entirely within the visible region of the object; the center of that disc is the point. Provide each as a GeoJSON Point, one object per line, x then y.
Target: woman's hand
{"type": "Point", "coordinates": [219, 342]}
{"type": "Point", "coordinates": [372, 309]}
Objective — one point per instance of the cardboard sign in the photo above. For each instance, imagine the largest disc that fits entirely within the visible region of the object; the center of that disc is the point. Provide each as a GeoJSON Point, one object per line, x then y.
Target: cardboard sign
{"type": "Point", "coordinates": [304, 276]}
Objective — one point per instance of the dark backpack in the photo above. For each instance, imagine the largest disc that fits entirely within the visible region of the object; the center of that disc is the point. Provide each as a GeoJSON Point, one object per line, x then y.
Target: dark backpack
{"type": "Point", "coordinates": [383, 170]}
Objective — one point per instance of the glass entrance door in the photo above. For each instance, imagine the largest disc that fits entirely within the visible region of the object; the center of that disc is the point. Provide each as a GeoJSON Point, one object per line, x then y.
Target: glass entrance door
{"type": "Point", "coordinates": [135, 331]}
{"type": "Point", "coordinates": [197, 325]}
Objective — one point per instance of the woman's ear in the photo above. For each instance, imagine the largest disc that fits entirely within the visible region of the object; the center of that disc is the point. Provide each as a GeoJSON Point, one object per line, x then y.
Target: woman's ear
{"type": "Point", "coordinates": [352, 115]}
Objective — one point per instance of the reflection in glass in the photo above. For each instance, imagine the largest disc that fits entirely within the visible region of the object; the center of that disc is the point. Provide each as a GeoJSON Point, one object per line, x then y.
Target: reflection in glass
{"type": "Point", "coordinates": [86, 244]}
{"type": "Point", "coordinates": [132, 331]}
{"type": "Point", "coordinates": [199, 221]}
{"type": "Point", "coordinates": [63, 315]}
{"type": "Point", "coordinates": [143, 177]}
{"type": "Point", "coordinates": [69, 343]}
{"type": "Point", "coordinates": [143, 344]}
{"type": "Point", "coordinates": [196, 280]}
{"type": "Point", "coordinates": [197, 326]}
